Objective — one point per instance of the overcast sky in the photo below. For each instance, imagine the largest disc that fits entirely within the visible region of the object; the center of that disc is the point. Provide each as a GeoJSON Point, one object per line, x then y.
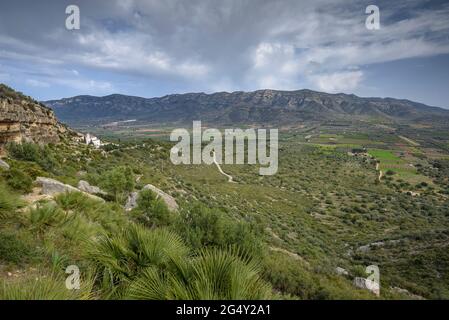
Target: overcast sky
{"type": "Point", "coordinates": [152, 48]}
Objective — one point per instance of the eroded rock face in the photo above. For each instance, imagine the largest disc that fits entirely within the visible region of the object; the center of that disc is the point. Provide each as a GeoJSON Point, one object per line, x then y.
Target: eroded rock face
{"type": "Point", "coordinates": [23, 119]}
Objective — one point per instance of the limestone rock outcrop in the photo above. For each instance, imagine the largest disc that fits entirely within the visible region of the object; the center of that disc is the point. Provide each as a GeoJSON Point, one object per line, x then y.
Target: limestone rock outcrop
{"type": "Point", "coordinates": [169, 200]}
{"type": "Point", "coordinates": [54, 187]}
{"type": "Point", "coordinates": [131, 203]}
{"type": "Point", "coordinates": [86, 187]}
{"type": "Point", "coordinates": [367, 284]}
{"type": "Point", "coordinates": [341, 272]}
{"type": "Point", "coordinates": [4, 165]}
{"type": "Point", "coordinates": [24, 119]}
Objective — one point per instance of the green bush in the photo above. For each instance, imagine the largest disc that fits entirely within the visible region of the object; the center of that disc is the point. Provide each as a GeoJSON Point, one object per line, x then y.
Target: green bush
{"type": "Point", "coordinates": [151, 210]}
{"type": "Point", "coordinates": [296, 278]}
{"type": "Point", "coordinates": [44, 216]}
{"type": "Point", "coordinates": [202, 226]}
{"type": "Point", "coordinates": [18, 180]}
{"type": "Point", "coordinates": [9, 202]}
{"type": "Point", "coordinates": [32, 152]}
{"type": "Point", "coordinates": [24, 151]}
{"type": "Point", "coordinates": [95, 213]}
{"type": "Point", "coordinates": [73, 201]}
{"type": "Point", "coordinates": [44, 287]}
{"type": "Point", "coordinates": [119, 182]}
{"type": "Point", "coordinates": [13, 250]}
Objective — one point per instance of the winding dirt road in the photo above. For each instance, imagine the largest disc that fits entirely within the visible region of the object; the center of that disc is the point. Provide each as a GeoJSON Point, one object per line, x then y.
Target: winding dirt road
{"type": "Point", "coordinates": [380, 171]}
{"type": "Point", "coordinates": [230, 179]}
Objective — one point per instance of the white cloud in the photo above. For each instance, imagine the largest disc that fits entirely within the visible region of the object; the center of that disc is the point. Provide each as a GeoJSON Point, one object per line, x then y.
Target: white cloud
{"type": "Point", "coordinates": [37, 83]}
{"type": "Point", "coordinates": [274, 66]}
{"type": "Point", "coordinates": [336, 82]}
{"type": "Point", "coordinates": [134, 53]}
{"type": "Point", "coordinates": [86, 85]}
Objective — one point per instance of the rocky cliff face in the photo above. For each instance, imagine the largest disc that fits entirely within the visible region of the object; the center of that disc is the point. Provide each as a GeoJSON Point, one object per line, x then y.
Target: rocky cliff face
{"type": "Point", "coordinates": [23, 119]}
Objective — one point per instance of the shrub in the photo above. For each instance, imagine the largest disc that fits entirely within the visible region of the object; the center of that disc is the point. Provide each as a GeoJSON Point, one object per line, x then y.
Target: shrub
{"type": "Point", "coordinates": [44, 216]}
{"type": "Point", "coordinates": [287, 277]}
{"type": "Point", "coordinates": [18, 180]}
{"type": "Point", "coordinates": [44, 287]}
{"type": "Point", "coordinates": [119, 182]}
{"type": "Point", "coordinates": [202, 226]}
{"type": "Point", "coordinates": [95, 213]}
{"type": "Point", "coordinates": [33, 152]}
{"type": "Point", "coordinates": [9, 202]}
{"type": "Point", "coordinates": [151, 210]}
{"type": "Point", "coordinates": [24, 151]}
{"type": "Point", "coordinates": [13, 250]}
{"type": "Point", "coordinates": [72, 201]}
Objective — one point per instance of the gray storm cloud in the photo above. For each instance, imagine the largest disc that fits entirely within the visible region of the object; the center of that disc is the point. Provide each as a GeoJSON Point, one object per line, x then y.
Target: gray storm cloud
{"type": "Point", "coordinates": [216, 45]}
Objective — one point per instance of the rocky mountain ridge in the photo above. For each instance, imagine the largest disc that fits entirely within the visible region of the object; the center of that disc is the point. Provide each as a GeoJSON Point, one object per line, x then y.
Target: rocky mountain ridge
{"type": "Point", "coordinates": [268, 107]}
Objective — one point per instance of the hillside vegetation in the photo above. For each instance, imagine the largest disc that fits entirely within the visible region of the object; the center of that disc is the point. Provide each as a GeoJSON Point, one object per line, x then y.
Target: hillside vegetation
{"type": "Point", "coordinates": [350, 194]}
{"type": "Point", "coordinates": [279, 237]}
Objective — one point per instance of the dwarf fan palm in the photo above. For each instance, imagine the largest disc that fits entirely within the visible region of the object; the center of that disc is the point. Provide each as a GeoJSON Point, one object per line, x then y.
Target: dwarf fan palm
{"type": "Point", "coordinates": [212, 274]}
{"type": "Point", "coordinates": [119, 259]}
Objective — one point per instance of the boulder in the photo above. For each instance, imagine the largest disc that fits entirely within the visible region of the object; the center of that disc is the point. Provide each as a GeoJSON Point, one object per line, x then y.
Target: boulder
{"type": "Point", "coordinates": [131, 203]}
{"type": "Point", "coordinates": [4, 165]}
{"type": "Point", "coordinates": [367, 284]}
{"type": "Point", "coordinates": [53, 187]}
{"type": "Point", "coordinates": [367, 247]}
{"type": "Point", "coordinates": [168, 199]}
{"type": "Point", "coordinates": [342, 272]}
{"type": "Point", "coordinates": [406, 293]}
{"type": "Point", "coordinates": [86, 187]}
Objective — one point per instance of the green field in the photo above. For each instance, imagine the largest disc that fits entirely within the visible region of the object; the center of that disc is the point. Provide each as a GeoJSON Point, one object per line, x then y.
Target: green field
{"type": "Point", "coordinates": [385, 156]}
{"type": "Point", "coordinates": [390, 163]}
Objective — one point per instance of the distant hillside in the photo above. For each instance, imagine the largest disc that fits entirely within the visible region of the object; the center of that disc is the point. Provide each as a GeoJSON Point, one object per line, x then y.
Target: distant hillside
{"type": "Point", "coordinates": [258, 107]}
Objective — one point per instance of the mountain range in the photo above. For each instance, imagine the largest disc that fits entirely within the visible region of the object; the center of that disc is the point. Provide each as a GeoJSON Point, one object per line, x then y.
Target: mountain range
{"type": "Point", "coordinates": [267, 107]}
